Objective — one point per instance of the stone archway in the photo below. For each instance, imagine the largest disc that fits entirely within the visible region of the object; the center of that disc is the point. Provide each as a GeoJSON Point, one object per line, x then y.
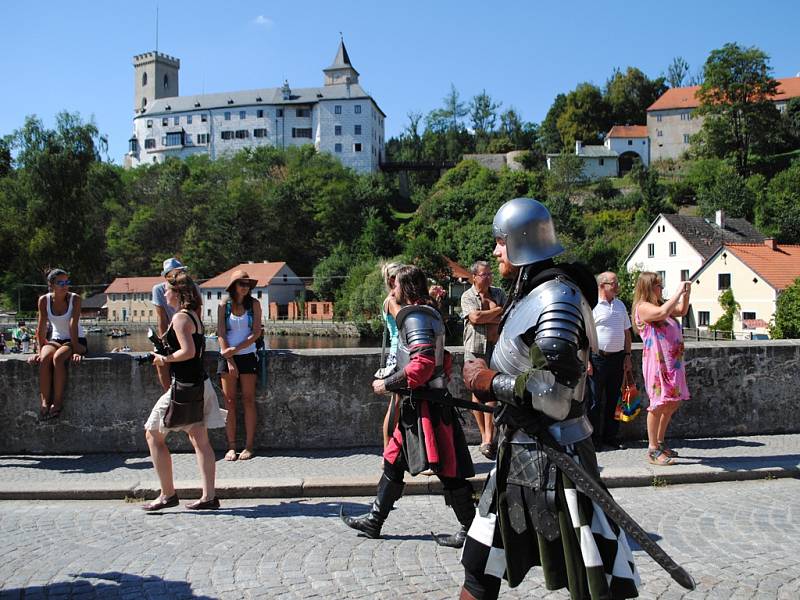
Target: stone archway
{"type": "Point", "coordinates": [626, 160]}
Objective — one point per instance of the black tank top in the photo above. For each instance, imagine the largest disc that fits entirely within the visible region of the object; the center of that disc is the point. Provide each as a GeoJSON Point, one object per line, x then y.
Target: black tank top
{"type": "Point", "coordinates": [190, 370]}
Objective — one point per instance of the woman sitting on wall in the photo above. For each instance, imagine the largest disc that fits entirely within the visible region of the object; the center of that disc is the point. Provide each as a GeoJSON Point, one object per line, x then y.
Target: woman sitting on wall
{"type": "Point", "coordinates": [61, 309]}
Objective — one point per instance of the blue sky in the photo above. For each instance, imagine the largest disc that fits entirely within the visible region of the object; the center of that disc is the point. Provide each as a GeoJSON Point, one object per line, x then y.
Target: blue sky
{"type": "Point", "coordinates": [77, 55]}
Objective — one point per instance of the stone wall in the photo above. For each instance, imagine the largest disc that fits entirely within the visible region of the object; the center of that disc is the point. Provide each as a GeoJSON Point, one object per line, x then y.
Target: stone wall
{"type": "Point", "coordinates": [322, 399]}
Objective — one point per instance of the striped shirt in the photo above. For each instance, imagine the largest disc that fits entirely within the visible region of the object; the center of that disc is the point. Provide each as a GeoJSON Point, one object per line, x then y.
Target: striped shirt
{"type": "Point", "coordinates": [612, 320]}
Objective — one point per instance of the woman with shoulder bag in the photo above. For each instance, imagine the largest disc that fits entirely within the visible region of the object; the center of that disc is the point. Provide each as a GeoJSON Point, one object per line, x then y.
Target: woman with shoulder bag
{"type": "Point", "coordinates": [185, 342]}
{"type": "Point", "coordinates": [238, 330]}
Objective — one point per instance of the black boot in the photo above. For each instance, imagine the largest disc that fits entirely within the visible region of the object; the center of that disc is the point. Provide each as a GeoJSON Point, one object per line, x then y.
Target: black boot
{"type": "Point", "coordinates": [370, 524]}
{"type": "Point", "coordinates": [460, 499]}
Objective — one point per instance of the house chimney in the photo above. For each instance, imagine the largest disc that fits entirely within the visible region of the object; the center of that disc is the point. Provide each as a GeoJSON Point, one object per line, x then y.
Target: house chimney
{"type": "Point", "coordinates": [578, 146]}
{"type": "Point", "coordinates": [771, 243]}
{"type": "Point", "coordinates": [719, 219]}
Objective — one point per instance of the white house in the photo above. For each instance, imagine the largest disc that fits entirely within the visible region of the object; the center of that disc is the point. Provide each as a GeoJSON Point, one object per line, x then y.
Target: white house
{"type": "Point", "coordinates": [339, 117]}
{"type": "Point", "coordinates": [277, 285]}
{"type": "Point", "coordinates": [629, 142]}
{"type": "Point", "coordinates": [598, 161]}
{"type": "Point", "coordinates": [756, 273]}
{"type": "Point", "coordinates": [675, 246]}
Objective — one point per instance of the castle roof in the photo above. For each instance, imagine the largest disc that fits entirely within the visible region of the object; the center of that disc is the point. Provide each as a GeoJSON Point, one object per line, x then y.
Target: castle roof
{"type": "Point", "coordinates": [257, 97]}
{"type": "Point", "coordinates": [341, 60]}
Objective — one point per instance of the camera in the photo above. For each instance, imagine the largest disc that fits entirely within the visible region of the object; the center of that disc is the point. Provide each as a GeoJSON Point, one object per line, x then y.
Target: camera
{"type": "Point", "coordinates": [159, 347]}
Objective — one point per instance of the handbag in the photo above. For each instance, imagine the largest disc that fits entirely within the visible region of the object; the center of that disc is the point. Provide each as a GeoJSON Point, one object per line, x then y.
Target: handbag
{"type": "Point", "coordinates": [629, 405]}
{"type": "Point", "coordinates": [186, 404]}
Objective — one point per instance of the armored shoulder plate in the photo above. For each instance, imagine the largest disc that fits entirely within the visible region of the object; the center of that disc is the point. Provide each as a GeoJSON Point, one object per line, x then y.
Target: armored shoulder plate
{"type": "Point", "coordinates": [419, 324]}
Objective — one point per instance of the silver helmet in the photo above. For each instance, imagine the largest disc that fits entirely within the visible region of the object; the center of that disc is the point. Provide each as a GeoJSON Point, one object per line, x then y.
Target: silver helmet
{"type": "Point", "coordinates": [527, 229]}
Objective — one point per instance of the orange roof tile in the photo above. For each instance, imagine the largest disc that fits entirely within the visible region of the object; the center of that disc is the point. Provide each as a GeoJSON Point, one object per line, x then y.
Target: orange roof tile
{"type": "Point", "coordinates": [263, 272]}
{"type": "Point", "coordinates": [628, 131]}
{"type": "Point", "coordinates": [778, 267]}
{"type": "Point", "coordinates": [130, 285]}
{"type": "Point", "coordinates": [686, 97]}
{"type": "Point", "coordinates": [456, 269]}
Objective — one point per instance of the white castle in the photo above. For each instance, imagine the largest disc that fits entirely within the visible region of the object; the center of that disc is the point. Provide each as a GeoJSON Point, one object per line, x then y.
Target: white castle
{"type": "Point", "coordinates": [339, 117]}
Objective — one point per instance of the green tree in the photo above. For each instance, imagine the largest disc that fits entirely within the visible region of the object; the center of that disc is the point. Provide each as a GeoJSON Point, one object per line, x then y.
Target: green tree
{"type": "Point", "coordinates": [736, 100]}
{"type": "Point", "coordinates": [483, 116]}
{"type": "Point", "coordinates": [786, 322]}
{"type": "Point", "coordinates": [565, 175]}
{"type": "Point", "coordinates": [778, 213]}
{"type": "Point", "coordinates": [677, 72]}
{"type": "Point", "coordinates": [586, 116]}
{"type": "Point", "coordinates": [549, 136]}
{"type": "Point", "coordinates": [629, 94]}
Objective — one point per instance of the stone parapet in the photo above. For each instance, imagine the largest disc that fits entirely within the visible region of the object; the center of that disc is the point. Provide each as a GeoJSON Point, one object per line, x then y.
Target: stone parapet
{"type": "Point", "coordinates": [323, 399]}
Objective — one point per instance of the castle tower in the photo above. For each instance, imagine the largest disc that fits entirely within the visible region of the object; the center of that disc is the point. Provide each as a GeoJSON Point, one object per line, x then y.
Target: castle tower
{"type": "Point", "coordinates": [341, 71]}
{"type": "Point", "coordinates": [155, 76]}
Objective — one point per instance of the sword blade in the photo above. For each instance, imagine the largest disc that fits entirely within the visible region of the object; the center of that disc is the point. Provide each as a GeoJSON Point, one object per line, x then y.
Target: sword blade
{"type": "Point", "coordinates": [589, 486]}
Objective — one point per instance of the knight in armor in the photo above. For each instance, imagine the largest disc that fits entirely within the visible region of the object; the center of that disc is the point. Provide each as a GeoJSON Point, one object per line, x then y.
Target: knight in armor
{"type": "Point", "coordinates": [428, 435]}
{"type": "Point", "coordinates": [530, 513]}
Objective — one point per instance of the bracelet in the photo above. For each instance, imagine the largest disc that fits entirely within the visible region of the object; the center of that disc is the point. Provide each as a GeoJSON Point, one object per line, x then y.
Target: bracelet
{"type": "Point", "coordinates": [627, 354]}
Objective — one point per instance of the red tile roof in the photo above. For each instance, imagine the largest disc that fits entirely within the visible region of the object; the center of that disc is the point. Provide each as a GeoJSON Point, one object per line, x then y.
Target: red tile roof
{"type": "Point", "coordinates": [130, 285]}
{"type": "Point", "coordinates": [457, 270]}
{"type": "Point", "coordinates": [754, 324]}
{"type": "Point", "coordinates": [628, 131]}
{"type": "Point", "coordinates": [686, 97]}
{"type": "Point", "coordinates": [261, 271]}
{"type": "Point", "coordinates": [778, 267]}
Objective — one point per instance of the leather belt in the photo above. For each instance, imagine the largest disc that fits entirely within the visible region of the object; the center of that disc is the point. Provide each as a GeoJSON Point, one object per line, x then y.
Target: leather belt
{"type": "Point", "coordinates": [604, 353]}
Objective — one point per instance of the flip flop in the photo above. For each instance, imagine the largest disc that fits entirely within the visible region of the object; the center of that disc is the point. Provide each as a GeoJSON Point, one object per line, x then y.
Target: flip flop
{"type": "Point", "coordinates": [245, 454]}
{"type": "Point", "coordinates": [230, 455]}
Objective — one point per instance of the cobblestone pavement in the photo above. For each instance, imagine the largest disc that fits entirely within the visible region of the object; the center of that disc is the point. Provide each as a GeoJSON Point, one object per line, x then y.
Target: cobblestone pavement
{"type": "Point", "coordinates": [739, 540]}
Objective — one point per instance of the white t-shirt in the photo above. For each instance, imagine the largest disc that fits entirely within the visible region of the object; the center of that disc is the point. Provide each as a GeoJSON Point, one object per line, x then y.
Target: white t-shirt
{"type": "Point", "coordinates": [160, 300]}
{"type": "Point", "coordinates": [611, 320]}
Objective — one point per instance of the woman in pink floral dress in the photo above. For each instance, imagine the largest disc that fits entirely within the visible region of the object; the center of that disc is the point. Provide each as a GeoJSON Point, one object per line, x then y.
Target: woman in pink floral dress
{"type": "Point", "coordinates": [662, 358]}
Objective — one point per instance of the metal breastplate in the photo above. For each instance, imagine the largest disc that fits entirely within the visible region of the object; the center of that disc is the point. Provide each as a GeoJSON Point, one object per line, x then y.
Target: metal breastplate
{"type": "Point", "coordinates": [512, 354]}
{"type": "Point", "coordinates": [421, 324]}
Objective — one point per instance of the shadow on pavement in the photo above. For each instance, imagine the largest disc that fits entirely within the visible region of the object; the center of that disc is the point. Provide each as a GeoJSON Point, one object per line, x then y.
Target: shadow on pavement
{"type": "Point", "coordinates": [744, 463]}
{"type": "Point", "coordinates": [107, 585]}
{"type": "Point", "coordinates": [716, 443]}
{"type": "Point", "coordinates": [87, 463]}
{"type": "Point", "coordinates": [292, 508]}
{"type": "Point", "coordinates": [634, 546]}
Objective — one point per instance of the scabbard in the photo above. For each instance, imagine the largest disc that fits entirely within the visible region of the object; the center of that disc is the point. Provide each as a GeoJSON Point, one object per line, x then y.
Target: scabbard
{"type": "Point", "coordinates": [444, 398]}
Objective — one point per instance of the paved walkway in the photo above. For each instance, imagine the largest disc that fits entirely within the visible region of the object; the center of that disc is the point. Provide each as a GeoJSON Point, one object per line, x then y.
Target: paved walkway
{"type": "Point", "coordinates": [355, 472]}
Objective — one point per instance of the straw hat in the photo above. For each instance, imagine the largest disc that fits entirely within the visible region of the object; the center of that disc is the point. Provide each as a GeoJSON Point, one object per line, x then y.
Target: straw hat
{"type": "Point", "coordinates": [240, 275]}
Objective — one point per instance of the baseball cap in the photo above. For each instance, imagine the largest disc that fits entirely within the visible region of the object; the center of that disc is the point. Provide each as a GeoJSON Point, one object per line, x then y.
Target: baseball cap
{"type": "Point", "coordinates": [170, 265]}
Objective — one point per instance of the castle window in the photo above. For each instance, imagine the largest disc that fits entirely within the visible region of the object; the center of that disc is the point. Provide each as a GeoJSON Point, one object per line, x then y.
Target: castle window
{"type": "Point", "coordinates": [149, 143]}
{"type": "Point", "coordinates": [144, 79]}
{"type": "Point", "coordinates": [337, 147]}
{"type": "Point", "coordinates": [144, 102]}
{"type": "Point", "coordinates": [242, 114]}
{"type": "Point", "coordinates": [149, 123]}
{"type": "Point", "coordinates": [227, 115]}
{"type": "Point", "coordinates": [279, 112]}
{"type": "Point", "coordinates": [166, 81]}
{"type": "Point", "coordinates": [337, 109]}
{"type": "Point", "coordinates": [203, 138]}
{"type": "Point", "coordinates": [685, 138]}
{"type": "Point", "coordinates": [227, 135]}
{"type": "Point", "coordinates": [356, 147]}
{"type": "Point", "coordinates": [659, 133]}
{"type": "Point", "coordinates": [164, 121]}
{"type": "Point", "coordinates": [203, 118]}
{"type": "Point", "coordinates": [259, 133]}
{"type": "Point", "coordinates": [357, 130]}
{"type": "Point", "coordinates": [303, 112]}
{"type": "Point", "coordinates": [357, 109]}
{"type": "Point", "coordinates": [242, 134]}
{"type": "Point", "coordinates": [337, 130]}
{"type": "Point", "coordinates": [173, 139]}
{"type": "Point", "coordinates": [188, 119]}
{"type": "Point", "coordinates": [176, 120]}
{"type": "Point", "coordinates": [301, 132]}
{"type": "Point", "coordinates": [260, 113]}
{"type": "Point", "coordinates": [133, 145]}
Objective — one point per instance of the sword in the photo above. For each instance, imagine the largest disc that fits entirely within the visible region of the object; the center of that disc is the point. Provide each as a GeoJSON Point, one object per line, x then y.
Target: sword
{"type": "Point", "coordinates": [589, 486]}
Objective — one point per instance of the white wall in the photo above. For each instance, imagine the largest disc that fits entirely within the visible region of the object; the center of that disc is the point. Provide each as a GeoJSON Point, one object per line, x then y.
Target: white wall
{"type": "Point", "coordinates": [640, 146]}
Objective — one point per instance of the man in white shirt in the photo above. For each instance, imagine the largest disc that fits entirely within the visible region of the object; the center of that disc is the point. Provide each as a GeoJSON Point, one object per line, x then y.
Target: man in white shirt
{"type": "Point", "coordinates": [611, 361]}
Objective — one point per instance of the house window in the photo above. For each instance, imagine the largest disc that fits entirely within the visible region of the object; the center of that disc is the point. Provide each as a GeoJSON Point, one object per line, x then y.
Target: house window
{"type": "Point", "coordinates": [356, 147]}
{"type": "Point", "coordinates": [658, 118]}
{"type": "Point", "coordinates": [149, 143]}
{"type": "Point", "coordinates": [630, 142]}
{"type": "Point", "coordinates": [226, 135]}
{"type": "Point", "coordinates": [219, 295]}
{"type": "Point", "coordinates": [313, 309]}
{"type": "Point", "coordinates": [203, 118]}
{"type": "Point", "coordinates": [662, 276]}
{"type": "Point", "coordinates": [242, 114]}
{"type": "Point", "coordinates": [602, 161]}
{"type": "Point", "coordinates": [260, 113]}
{"type": "Point", "coordinates": [301, 132]}
{"type": "Point", "coordinates": [124, 297]}
{"type": "Point", "coordinates": [687, 116]}
{"type": "Point", "coordinates": [337, 147]}
{"type": "Point", "coordinates": [149, 313]}
{"type": "Point", "coordinates": [659, 133]}
{"type": "Point", "coordinates": [357, 129]}
{"type": "Point", "coordinates": [134, 312]}
{"type": "Point", "coordinates": [188, 119]}
{"type": "Point", "coordinates": [703, 318]}
{"type": "Point", "coordinates": [673, 249]}
{"type": "Point", "coordinates": [651, 250]}
{"type": "Point", "coordinates": [337, 109]}
{"type": "Point", "coordinates": [684, 274]}
{"type": "Point", "coordinates": [357, 109]}
{"type": "Point", "coordinates": [279, 112]}
{"type": "Point", "coordinates": [337, 130]}
{"type": "Point", "coordinates": [149, 123]}
{"type": "Point", "coordinates": [208, 295]}
{"type": "Point", "coordinates": [724, 281]}
{"type": "Point", "coordinates": [208, 312]}
{"type": "Point", "coordinates": [258, 294]}
{"type": "Point", "coordinates": [748, 316]}
{"type": "Point", "coordinates": [164, 121]}
{"type": "Point", "coordinates": [303, 112]}
{"type": "Point", "coordinates": [685, 138]}
{"type": "Point", "coordinates": [259, 133]}
{"type": "Point", "coordinates": [227, 115]}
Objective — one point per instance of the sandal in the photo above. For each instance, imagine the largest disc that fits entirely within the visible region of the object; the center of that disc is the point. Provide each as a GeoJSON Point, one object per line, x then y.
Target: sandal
{"type": "Point", "coordinates": [658, 457]}
{"type": "Point", "coordinates": [667, 450]}
{"type": "Point", "coordinates": [44, 412]}
{"type": "Point", "coordinates": [230, 455]}
{"type": "Point", "coordinates": [161, 503]}
{"type": "Point", "coordinates": [246, 454]}
{"type": "Point", "coordinates": [53, 413]}
{"type": "Point", "coordinates": [212, 504]}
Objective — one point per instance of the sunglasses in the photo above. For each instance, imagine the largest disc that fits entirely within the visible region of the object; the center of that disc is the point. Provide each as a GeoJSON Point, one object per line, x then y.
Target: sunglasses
{"type": "Point", "coordinates": [241, 283]}
{"type": "Point", "coordinates": [63, 283]}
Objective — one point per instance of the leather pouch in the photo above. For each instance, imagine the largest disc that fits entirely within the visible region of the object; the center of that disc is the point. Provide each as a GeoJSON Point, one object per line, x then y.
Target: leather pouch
{"type": "Point", "coordinates": [186, 404]}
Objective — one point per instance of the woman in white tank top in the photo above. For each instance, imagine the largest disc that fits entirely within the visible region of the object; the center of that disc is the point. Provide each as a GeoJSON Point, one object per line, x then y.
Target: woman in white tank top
{"type": "Point", "coordinates": [62, 310]}
{"type": "Point", "coordinates": [238, 328]}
